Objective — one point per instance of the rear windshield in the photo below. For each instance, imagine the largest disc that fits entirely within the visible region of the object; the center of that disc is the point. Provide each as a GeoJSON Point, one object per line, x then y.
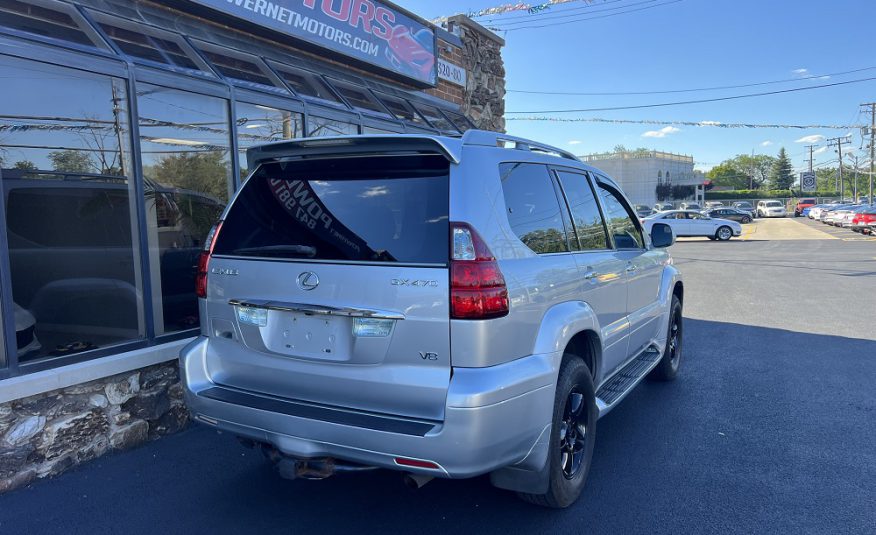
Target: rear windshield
{"type": "Point", "coordinates": [374, 209]}
{"type": "Point", "coordinates": [773, 204]}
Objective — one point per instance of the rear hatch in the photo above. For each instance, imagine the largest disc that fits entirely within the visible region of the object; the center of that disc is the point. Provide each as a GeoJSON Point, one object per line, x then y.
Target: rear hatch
{"type": "Point", "coordinates": [329, 284]}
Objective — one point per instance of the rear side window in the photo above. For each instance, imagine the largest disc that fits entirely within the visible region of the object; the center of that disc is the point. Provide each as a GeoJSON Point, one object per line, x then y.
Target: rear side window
{"type": "Point", "coordinates": [389, 209]}
{"type": "Point", "coordinates": [533, 207]}
{"type": "Point", "coordinates": [586, 219]}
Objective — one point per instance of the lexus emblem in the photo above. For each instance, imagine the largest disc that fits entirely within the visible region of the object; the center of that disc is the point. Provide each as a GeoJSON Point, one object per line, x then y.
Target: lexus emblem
{"type": "Point", "coordinates": [308, 281]}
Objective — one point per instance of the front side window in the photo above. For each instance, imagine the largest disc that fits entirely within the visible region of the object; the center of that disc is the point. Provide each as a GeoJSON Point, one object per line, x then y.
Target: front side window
{"type": "Point", "coordinates": [533, 208]}
{"type": "Point", "coordinates": [184, 140]}
{"type": "Point", "coordinates": [257, 124]}
{"type": "Point", "coordinates": [586, 218]}
{"type": "Point", "coordinates": [387, 210]}
{"type": "Point", "coordinates": [69, 201]}
{"type": "Point", "coordinates": [620, 219]}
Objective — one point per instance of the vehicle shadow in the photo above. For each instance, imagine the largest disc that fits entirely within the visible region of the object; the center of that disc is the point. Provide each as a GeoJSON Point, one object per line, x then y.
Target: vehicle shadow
{"type": "Point", "coordinates": [765, 430]}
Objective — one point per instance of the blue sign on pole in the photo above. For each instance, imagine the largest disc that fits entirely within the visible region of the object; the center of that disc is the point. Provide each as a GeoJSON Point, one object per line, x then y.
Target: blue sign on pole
{"type": "Point", "coordinates": [366, 30]}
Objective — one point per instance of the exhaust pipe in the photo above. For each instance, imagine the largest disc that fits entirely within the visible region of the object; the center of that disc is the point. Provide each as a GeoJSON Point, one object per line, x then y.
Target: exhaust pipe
{"type": "Point", "coordinates": [313, 469]}
{"type": "Point", "coordinates": [416, 481]}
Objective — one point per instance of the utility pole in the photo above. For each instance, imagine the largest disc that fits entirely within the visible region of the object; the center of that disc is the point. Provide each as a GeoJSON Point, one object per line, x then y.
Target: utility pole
{"type": "Point", "coordinates": [872, 145]}
{"type": "Point", "coordinates": [838, 141]}
{"type": "Point", "coordinates": [811, 148]}
{"type": "Point", "coordinates": [855, 187]}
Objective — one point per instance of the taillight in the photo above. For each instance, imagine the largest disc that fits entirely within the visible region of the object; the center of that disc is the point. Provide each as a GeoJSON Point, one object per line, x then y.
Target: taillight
{"type": "Point", "coordinates": [204, 261]}
{"type": "Point", "coordinates": [477, 287]}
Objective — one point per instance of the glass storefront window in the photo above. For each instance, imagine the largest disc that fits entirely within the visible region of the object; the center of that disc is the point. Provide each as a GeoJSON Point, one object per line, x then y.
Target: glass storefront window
{"type": "Point", "coordinates": [360, 98]}
{"type": "Point", "coordinates": [239, 66]}
{"type": "Point", "coordinates": [401, 109]}
{"type": "Point", "coordinates": [142, 42]}
{"type": "Point", "coordinates": [70, 217]}
{"type": "Point", "coordinates": [435, 117]}
{"type": "Point", "coordinates": [184, 141]}
{"type": "Point", "coordinates": [306, 84]}
{"type": "Point", "coordinates": [320, 127]}
{"type": "Point", "coordinates": [46, 18]}
{"type": "Point", "coordinates": [257, 124]}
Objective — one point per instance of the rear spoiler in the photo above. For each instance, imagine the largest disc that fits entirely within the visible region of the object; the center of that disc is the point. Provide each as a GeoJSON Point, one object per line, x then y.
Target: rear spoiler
{"type": "Point", "coordinates": [341, 146]}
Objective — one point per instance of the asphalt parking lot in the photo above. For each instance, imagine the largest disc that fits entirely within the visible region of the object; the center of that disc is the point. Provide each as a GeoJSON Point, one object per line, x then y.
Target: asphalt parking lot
{"type": "Point", "coordinates": [770, 428]}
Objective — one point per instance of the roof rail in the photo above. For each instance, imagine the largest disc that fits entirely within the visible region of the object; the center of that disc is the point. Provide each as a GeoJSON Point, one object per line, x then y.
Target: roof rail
{"type": "Point", "coordinates": [495, 139]}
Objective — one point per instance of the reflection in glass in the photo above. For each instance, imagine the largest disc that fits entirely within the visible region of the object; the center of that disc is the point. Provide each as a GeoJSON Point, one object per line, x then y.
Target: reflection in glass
{"type": "Point", "coordinates": [70, 222]}
{"type": "Point", "coordinates": [620, 221]}
{"type": "Point", "coordinates": [320, 126]}
{"type": "Point", "coordinates": [533, 207]}
{"type": "Point", "coordinates": [585, 212]}
{"type": "Point", "coordinates": [187, 173]}
{"type": "Point", "coordinates": [257, 124]}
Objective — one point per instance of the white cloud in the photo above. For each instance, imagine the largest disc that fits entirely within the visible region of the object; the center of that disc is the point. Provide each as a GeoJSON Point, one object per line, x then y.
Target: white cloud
{"type": "Point", "coordinates": [811, 139]}
{"type": "Point", "coordinates": [820, 151]}
{"type": "Point", "coordinates": [710, 123]}
{"type": "Point", "coordinates": [824, 77]}
{"type": "Point", "coordinates": [575, 142]}
{"type": "Point", "coordinates": [766, 143]}
{"type": "Point", "coordinates": [663, 132]}
{"type": "Point", "coordinates": [801, 72]}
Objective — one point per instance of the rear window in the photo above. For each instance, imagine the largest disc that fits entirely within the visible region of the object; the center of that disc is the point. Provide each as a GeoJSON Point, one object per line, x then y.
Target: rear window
{"type": "Point", "coordinates": [774, 204]}
{"type": "Point", "coordinates": [807, 201]}
{"type": "Point", "coordinates": [387, 209]}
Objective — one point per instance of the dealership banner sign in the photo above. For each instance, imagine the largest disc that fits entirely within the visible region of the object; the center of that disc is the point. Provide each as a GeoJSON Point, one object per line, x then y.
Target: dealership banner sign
{"type": "Point", "coordinates": [366, 30]}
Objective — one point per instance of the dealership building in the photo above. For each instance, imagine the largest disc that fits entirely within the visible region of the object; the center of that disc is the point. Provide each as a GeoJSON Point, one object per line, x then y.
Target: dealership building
{"type": "Point", "coordinates": [124, 126]}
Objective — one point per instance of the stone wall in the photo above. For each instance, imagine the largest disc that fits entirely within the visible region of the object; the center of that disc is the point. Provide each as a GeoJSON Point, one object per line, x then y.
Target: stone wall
{"type": "Point", "coordinates": [44, 435]}
{"type": "Point", "coordinates": [484, 100]}
{"type": "Point", "coordinates": [483, 97]}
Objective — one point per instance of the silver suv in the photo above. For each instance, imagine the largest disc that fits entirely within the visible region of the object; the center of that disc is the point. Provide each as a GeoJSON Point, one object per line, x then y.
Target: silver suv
{"type": "Point", "coordinates": [445, 307]}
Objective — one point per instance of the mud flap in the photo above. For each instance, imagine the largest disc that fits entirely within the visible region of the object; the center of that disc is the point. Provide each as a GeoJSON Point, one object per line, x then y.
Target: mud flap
{"type": "Point", "coordinates": [532, 474]}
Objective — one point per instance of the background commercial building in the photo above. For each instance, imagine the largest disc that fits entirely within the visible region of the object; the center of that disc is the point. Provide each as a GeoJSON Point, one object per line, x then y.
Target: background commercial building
{"type": "Point", "coordinates": [651, 176]}
{"type": "Point", "coordinates": [123, 130]}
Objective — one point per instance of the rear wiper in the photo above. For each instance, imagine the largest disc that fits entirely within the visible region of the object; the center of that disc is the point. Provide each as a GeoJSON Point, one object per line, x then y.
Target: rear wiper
{"type": "Point", "coordinates": [303, 251]}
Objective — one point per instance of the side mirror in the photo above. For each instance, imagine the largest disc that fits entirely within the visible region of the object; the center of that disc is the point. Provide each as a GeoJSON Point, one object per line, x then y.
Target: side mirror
{"type": "Point", "coordinates": [662, 235]}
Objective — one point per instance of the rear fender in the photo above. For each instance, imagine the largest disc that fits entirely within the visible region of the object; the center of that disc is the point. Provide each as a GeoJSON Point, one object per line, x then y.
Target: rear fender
{"type": "Point", "coordinates": [559, 325]}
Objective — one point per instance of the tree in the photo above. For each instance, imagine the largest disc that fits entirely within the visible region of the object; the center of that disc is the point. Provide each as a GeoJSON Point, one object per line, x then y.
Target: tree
{"type": "Point", "coordinates": [201, 172]}
{"type": "Point", "coordinates": [25, 165]}
{"type": "Point", "coordinates": [756, 167]}
{"type": "Point", "coordinates": [782, 175]}
{"type": "Point", "coordinates": [72, 161]}
{"type": "Point", "coordinates": [726, 174]}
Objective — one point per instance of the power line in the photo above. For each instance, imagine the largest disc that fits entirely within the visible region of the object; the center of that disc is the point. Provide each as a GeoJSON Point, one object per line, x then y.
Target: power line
{"type": "Point", "coordinates": [588, 18]}
{"type": "Point", "coordinates": [691, 90]}
{"type": "Point", "coordinates": [501, 25]}
{"type": "Point", "coordinates": [700, 101]}
{"type": "Point", "coordinates": [488, 19]}
{"type": "Point", "coordinates": [683, 123]}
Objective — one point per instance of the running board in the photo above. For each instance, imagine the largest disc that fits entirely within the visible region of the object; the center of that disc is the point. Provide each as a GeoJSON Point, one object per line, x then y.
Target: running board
{"type": "Point", "coordinates": [623, 382]}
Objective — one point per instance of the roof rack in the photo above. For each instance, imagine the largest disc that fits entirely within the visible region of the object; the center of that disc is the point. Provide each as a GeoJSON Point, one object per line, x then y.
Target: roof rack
{"type": "Point", "coordinates": [495, 139]}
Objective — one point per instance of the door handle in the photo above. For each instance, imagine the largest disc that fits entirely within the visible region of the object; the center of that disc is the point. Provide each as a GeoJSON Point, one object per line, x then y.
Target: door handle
{"type": "Point", "coordinates": [632, 269]}
{"type": "Point", "coordinates": [590, 275]}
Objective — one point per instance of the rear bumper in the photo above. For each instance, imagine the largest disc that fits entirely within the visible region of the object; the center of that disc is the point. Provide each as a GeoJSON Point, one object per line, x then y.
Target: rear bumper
{"type": "Point", "coordinates": [493, 418]}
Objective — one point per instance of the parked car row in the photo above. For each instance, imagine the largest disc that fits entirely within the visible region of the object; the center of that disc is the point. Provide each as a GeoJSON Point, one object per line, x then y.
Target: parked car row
{"type": "Point", "coordinates": [857, 217]}
{"type": "Point", "coordinates": [691, 223]}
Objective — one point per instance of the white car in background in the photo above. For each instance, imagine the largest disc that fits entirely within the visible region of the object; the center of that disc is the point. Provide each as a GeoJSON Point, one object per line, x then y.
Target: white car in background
{"type": "Point", "coordinates": [691, 223]}
{"type": "Point", "coordinates": [771, 209]}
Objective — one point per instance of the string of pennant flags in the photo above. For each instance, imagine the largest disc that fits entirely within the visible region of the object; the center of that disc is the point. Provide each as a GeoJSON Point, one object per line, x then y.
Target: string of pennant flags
{"type": "Point", "coordinates": [503, 9]}
{"type": "Point", "coordinates": [715, 124]}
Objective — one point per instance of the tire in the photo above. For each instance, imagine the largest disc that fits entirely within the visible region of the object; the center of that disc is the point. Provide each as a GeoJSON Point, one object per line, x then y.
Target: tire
{"type": "Point", "coordinates": [667, 369]}
{"type": "Point", "coordinates": [746, 220]}
{"type": "Point", "coordinates": [568, 468]}
{"type": "Point", "coordinates": [724, 233]}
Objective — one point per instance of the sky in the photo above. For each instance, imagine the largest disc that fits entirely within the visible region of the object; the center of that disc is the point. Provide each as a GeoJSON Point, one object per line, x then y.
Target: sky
{"type": "Point", "coordinates": [683, 45]}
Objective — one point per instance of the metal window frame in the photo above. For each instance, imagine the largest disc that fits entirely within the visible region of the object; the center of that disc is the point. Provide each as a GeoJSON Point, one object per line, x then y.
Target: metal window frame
{"type": "Point", "coordinates": [201, 47]}
{"type": "Point", "coordinates": [100, 44]}
{"type": "Point", "coordinates": [95, 17]}
{"type": "Point", "coordinates": [335, 83]}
